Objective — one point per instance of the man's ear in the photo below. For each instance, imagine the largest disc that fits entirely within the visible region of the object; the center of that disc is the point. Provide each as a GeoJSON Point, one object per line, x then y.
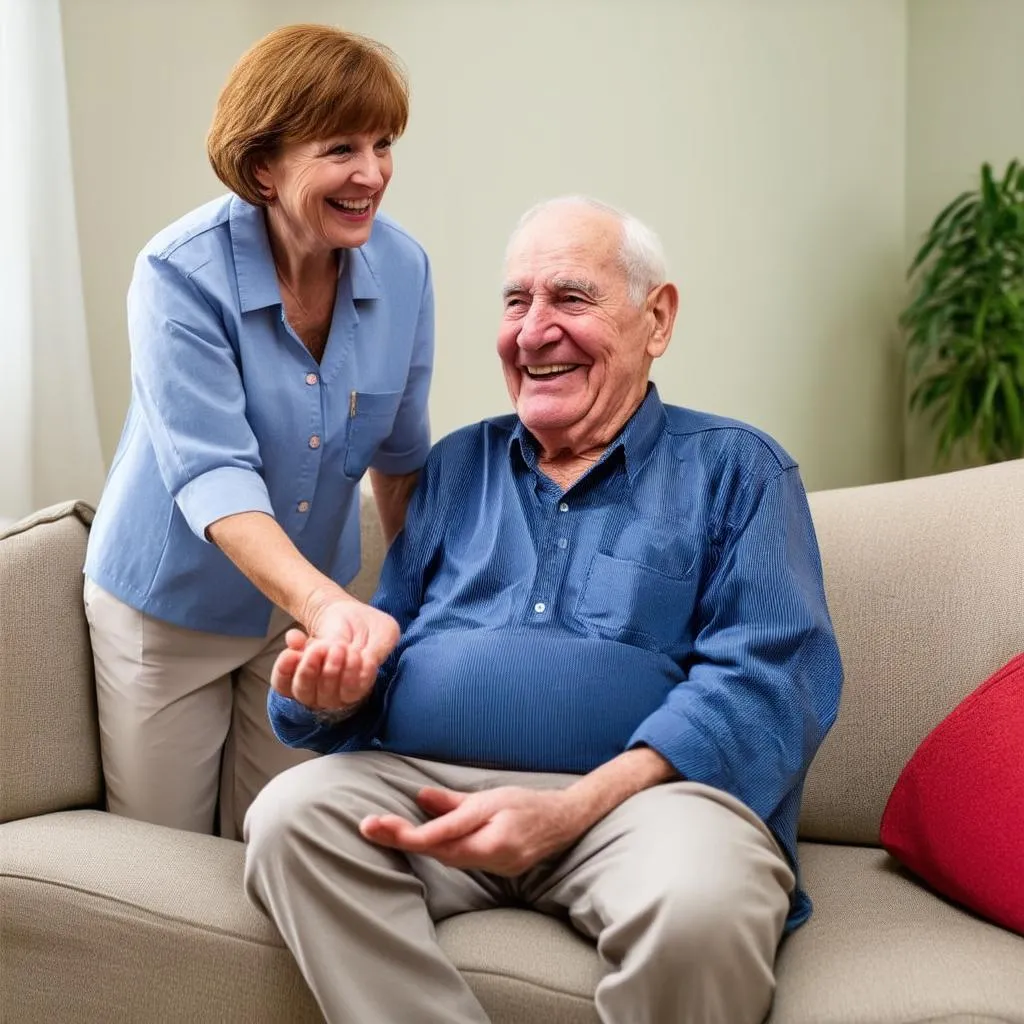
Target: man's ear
{"type": "Point", "coordinates": [662, 306]}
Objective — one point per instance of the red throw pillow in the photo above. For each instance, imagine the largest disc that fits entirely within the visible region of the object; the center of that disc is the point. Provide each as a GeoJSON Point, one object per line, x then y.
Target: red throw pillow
{"type": "Point", "coordinates": [956, 814]}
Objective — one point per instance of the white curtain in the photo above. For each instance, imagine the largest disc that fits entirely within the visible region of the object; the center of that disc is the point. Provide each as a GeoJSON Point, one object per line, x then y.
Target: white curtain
{"type": "Point", "coordinates": [49, 439]}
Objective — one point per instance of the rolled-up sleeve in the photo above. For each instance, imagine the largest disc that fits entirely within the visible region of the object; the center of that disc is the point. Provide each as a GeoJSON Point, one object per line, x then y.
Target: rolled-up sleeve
{"type": "Point", "coordinates": [188, 385]}
{"type": "Point", "coordinates": [406, 448]}
{"type": "Point", "coordinates": [763, 686]}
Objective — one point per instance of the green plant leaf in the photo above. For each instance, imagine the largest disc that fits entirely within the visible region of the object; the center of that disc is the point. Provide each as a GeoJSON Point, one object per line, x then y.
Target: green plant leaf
{"type": "Point", "coordinates": [1014, 404]}
{"type": "Point", "coordinates": [963, 322]}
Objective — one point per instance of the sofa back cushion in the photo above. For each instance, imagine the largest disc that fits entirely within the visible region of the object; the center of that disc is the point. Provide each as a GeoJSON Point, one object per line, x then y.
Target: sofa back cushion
{"type": "Point", "coordinates": [925, 582]}
{"type": "Point", "coordinates": [49, 754]}
{"type": "Point", "coordinates": [372, 546]}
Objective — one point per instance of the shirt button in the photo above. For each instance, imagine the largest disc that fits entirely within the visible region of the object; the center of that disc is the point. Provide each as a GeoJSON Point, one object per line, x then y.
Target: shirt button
{"type": "Point", "coordinates": [563, 543]}
{"type": "Point", "coordinates": [303, 506]}
{"type": "Point", "coordinates": [314, 441]}
{"type": "Point", "coordinates": [311, 378]}
{"type": "Point", "coordinates": [539, 607]}
{"type": "Point", "coordinates": [563, 506]}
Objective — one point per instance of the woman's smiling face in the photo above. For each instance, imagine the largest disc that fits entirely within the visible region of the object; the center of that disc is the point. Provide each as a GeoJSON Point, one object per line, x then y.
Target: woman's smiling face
{"type": "Point", "coordinates": [328, 191]}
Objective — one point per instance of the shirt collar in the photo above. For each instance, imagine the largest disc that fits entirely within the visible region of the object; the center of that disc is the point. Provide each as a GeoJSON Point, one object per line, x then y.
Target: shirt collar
{"type": "Point", "coordinates": [254, 262]}
{"type": "Point", "coordinates": [636, 439]}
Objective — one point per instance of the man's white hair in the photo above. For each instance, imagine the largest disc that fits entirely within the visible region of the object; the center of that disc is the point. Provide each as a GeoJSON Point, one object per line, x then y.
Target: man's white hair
{"type": "Point", "coordinates": [640, 251]}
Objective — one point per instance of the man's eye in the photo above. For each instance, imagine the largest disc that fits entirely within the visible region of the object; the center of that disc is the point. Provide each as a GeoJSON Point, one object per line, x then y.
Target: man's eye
{"type": "Point", "coordinates": [512, 303]}
{"type": "Point", "coordinates": [570, 299]}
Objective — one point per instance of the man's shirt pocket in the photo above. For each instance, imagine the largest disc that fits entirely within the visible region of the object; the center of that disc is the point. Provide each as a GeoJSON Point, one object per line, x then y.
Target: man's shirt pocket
{"type": "Point", "coordinates": [637, 604]}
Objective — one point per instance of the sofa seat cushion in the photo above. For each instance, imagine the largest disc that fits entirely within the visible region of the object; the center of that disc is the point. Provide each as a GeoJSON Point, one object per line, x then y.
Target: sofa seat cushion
{"type": "Point", "coordinates": [525, 968]}
{"type": "Point", "coordinates": [882, 949]}
{"type": "Point", "coordinates": [116, 920]}
{"type": "Point", "coordinates": [108, 919]}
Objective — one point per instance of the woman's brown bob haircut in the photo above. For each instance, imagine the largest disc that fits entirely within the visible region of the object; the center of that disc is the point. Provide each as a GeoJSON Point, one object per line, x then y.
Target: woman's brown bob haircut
{"type": "Point", "coordinates": [298, 84]}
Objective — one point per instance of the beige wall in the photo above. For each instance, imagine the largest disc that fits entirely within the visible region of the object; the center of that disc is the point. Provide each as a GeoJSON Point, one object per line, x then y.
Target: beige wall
{"type": "Point", "coordinates": [965, 89]}
{"type": "Point", "coordinates": [764, 140]}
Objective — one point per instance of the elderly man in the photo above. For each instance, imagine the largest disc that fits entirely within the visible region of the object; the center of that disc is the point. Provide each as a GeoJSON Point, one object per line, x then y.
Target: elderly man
{"type": "Point", "coordinates": [615, 664]}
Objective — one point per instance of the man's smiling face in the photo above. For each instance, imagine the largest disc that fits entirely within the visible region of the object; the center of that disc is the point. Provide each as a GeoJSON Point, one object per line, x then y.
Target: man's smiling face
{"type": "Point", "coordinates": [573, 347]}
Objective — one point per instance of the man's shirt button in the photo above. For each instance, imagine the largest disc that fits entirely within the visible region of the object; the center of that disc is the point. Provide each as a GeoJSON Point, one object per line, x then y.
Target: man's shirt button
{"type": "Point", "coordinates": [539, 607]}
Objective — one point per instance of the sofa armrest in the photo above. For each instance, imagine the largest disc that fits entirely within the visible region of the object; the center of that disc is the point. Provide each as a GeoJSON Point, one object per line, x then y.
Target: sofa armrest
{"type": "Point", "coordinates": [49, 737]}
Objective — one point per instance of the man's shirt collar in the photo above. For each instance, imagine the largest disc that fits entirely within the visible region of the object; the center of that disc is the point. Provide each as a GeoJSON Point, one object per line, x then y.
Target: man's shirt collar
{"type": "Point", "coordinates": [636, 440]}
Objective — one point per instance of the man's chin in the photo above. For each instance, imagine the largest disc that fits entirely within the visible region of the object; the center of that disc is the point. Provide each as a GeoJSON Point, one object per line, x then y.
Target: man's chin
{"type": "Point", "coordinates": [546, 417]}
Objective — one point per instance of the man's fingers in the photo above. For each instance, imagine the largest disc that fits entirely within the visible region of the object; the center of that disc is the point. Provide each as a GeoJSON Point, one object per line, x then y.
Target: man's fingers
{"type": "Point", "coordinates": [305, 682]}
{"type": "Point", "coordinates": [281, 675]}
{"type": "Point", "coordinates": [436, 801]}
{"type": "Point", "coordinates": [386, 829]}
{"type": "Point", "coordinates": [443, 829]}
{"type": "Point", "coordinates": [392, 830]}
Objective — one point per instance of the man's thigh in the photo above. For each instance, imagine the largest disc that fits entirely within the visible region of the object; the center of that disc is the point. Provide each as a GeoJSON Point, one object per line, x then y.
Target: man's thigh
{"type": "Point", "coordinates": [328, 797]}
{"type": "Point", "coordinates": [701, 850]}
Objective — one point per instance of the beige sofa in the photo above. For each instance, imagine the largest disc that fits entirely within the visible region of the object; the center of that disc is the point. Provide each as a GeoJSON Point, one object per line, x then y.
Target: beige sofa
{"type": "Point", "coordinates": [109, 920]}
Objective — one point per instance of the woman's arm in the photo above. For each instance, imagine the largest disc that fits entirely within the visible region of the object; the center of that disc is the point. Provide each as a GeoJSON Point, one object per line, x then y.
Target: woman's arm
{"type": "Point", "coordinates": [392, 494]}
{"type": "Point", "coordinates": [265, 554]}
{"type": "Point", "coordinates": [349, 639]}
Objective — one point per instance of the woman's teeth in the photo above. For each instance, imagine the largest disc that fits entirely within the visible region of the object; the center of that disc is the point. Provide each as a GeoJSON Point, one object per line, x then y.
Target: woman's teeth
{"type": "Point", "coordinates": [549, 371]}
{"type": "Point", "coordinates": [351, 205]}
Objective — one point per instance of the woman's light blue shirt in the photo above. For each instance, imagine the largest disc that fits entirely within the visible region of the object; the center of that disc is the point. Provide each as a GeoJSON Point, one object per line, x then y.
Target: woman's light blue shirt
{"type": "Point", "coordinates": [230, 413]}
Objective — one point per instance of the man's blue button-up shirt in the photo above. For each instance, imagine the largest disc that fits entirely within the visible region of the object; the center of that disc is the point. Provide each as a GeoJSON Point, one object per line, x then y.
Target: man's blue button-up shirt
{"type": "Point", "coordinates": [672, 598]}
{"type": "Point", "coordinates": [230, 413]}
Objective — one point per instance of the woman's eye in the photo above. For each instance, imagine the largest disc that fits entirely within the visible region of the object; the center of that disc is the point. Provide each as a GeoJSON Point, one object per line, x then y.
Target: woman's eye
{"type": "Point", "coordinates": [384, 143]}
{"type": "Point", "coordinates": [341, 150]}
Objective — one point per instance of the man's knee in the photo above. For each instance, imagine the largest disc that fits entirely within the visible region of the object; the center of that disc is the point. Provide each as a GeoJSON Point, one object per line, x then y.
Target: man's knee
{"type": "Point", "coordinates": [281, 811]}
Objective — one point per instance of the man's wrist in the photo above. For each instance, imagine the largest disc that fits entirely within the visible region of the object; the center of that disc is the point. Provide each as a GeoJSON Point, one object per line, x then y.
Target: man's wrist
{"type": "Point", "coordinates": [578, 811]}
{"type": "Point", "coordinates": [333, 716]}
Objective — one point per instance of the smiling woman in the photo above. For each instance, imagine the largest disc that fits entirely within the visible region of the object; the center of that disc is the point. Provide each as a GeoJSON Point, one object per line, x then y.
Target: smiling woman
{"type": "Point", "coordinates": [282, 345]}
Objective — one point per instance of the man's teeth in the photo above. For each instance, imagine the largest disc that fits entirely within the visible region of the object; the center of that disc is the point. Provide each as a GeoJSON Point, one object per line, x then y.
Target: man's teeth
{"type": "Point", "coordinates": [547, 371]}
{"type": "Point", "coordinates": [351, 205]}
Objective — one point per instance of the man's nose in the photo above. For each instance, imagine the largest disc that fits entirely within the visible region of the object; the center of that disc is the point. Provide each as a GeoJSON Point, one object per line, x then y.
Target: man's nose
{"type": "Point", "coordinates": [538, 328]}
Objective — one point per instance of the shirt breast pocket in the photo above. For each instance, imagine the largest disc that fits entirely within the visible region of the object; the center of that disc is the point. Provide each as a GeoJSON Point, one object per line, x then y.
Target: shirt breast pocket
{"type": "Point", "coordinates": [371, 418]}
{"type": "Point", "coordinates": [635, 603]}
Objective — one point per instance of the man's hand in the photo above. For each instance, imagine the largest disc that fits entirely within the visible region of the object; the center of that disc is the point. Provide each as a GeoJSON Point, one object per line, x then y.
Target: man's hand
{"type": "Point", "coordinates": [334, 666]}
{"type": "Point", "coordinates": [505, 831]}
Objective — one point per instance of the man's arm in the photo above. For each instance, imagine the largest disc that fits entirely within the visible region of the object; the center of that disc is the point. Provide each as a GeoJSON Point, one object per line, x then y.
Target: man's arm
{"type": "Point", "coordinates": [509, 830]}
{"type": "Point", "coordinates": [602, 790]}
{"type": "Point", "coordinates": [762, 689]}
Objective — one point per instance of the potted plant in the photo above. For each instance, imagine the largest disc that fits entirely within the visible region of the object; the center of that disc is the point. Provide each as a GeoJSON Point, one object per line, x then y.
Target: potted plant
{"type": "Point", "coordinates": [965, 323]}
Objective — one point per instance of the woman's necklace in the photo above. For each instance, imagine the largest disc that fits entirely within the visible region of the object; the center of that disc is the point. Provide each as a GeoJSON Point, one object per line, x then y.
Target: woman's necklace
{"type": "Point", "coordinates": [311, 329]}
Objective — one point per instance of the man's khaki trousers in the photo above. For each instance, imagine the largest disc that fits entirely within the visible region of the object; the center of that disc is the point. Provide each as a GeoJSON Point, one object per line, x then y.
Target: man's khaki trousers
{"type": "Point", "coordinates": [183, 716]}
{"type": "Point", "coordinates": [682, 887]}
